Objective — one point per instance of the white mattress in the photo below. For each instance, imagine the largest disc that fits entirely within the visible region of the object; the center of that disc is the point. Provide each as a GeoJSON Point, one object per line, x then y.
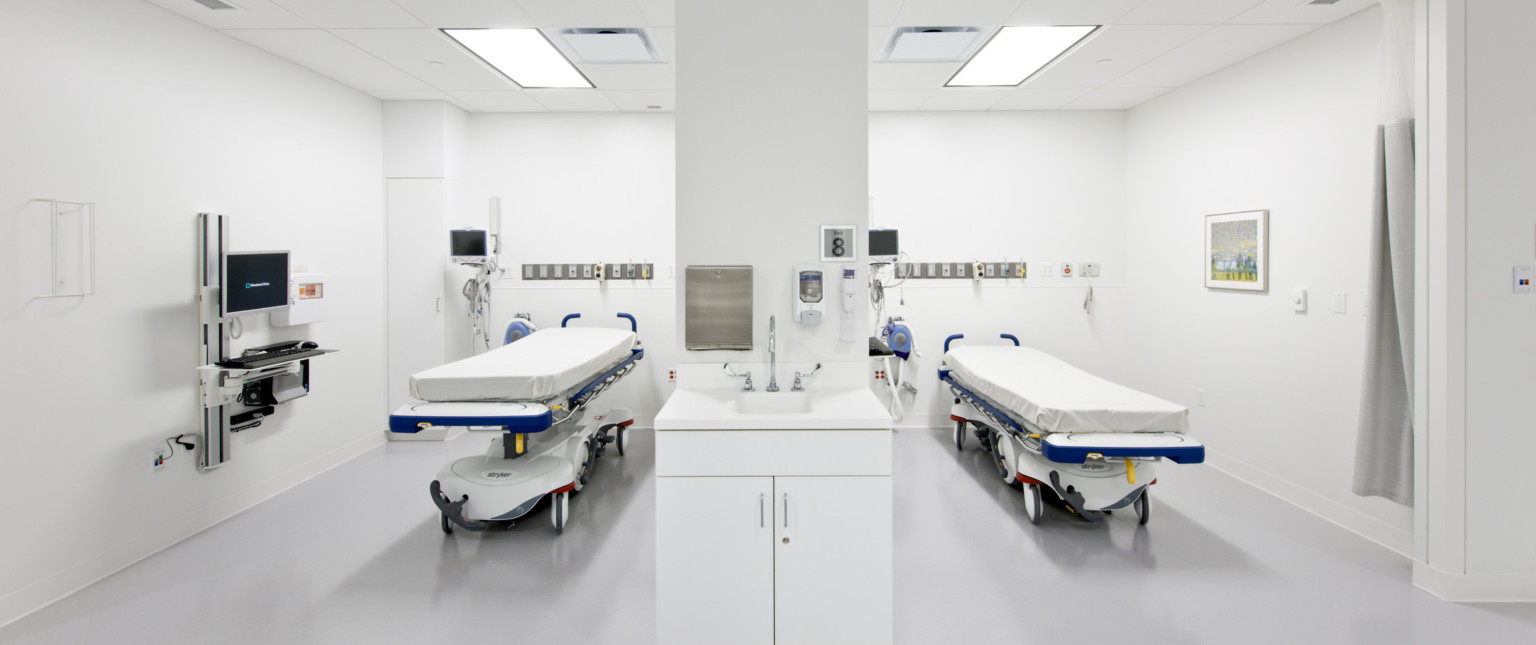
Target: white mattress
{"type": "Point", "coordinates": [1056, 397]}
{"type": "Point", "coordinates": [541, 365]}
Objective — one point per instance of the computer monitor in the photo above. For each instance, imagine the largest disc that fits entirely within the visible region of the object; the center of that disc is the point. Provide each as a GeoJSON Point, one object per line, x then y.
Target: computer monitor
{"type": "Point", "coordinates": [254, 281]}
{"type": "Point", "coordinates": [469, 246]}
{"type": "Point", "coordinates": [882, 246]}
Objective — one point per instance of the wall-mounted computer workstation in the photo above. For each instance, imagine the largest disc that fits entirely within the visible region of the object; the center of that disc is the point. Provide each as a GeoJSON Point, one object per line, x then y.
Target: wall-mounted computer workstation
{"type": "Point", "coordinates": [239, 388]}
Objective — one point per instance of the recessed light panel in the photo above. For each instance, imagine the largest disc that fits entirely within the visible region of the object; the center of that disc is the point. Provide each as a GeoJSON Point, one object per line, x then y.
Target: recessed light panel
{"type": "Point", "coordinates": [1016, 53]}
{"type": "Point", "coordinates": [523, 55]}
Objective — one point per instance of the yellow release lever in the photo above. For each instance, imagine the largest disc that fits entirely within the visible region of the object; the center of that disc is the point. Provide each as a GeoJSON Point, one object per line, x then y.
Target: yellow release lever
{"type": "Point", "coordinates": [518, 447]}
{"type": "Point", "coordinates": [1130, 471]}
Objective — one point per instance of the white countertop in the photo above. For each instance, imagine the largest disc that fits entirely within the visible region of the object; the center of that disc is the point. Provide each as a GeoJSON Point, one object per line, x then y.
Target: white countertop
{"type": "Point", "coordinates": [718, 408]}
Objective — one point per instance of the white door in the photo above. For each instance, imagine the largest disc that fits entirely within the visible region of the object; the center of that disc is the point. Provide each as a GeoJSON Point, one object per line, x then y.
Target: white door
{"type": "Point", "coordinates": [416, 260]}
{"type": "Point", "coordinates": [833, 551]}
{"type": "Point", "coordinates": [714, 560]}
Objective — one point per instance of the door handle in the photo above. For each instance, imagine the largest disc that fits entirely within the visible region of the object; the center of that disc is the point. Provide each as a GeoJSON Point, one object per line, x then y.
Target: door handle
{"type": "Point", "coordinates": [762, 510]}
{"type": "Point", "coordinates": [786, 510]}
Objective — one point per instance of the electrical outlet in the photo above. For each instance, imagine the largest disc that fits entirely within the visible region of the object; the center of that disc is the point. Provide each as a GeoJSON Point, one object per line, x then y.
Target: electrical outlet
{"type": "Point", "coordinates": [946, 269]}
{"type": "Point", "coordinates": [543, 271]}
{"type": "Point", "coordinates": [586, 272]}
{"type": "Point", "coordinates": [161, 455]}
{"type": "Point", "coordinates": [1050, 270]}
{"type": "Point", "coordinates": [1089, 269]}
{"type": "Point", "coordinates": [991, 270]}
{"type": "Point", "coordinates": [672, 375]}
{"type": "Point", "coordinates": [527, 271]}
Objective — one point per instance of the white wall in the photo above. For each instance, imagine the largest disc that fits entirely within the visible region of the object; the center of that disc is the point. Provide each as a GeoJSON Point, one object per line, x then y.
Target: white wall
{"type": "Point", "coordinates": [578, 188]}
{"type": "Point", "coordinates": [1500, 233]}
{"type": "Point", "coordinates": [1290, 130]}
{"type": "Point", "coordinates": [1045, 187]}
{"type": "Point", "coordinates": [772, 143]}
{"type": "Point", "coordinates": [155, 119]}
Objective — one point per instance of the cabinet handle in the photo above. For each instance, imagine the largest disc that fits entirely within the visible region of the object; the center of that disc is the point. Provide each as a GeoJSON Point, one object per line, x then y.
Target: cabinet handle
{"type": "Point", "coordinates": [762, 510]}
{"type": "Point", "coordinates": [439, 304]}
{"type": "Point", "coordinates": [786, 510]}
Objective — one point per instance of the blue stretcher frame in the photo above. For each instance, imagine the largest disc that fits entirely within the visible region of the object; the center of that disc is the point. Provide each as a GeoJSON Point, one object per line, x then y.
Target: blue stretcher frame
{"type": "Point", "coordinates": [526, 424]}
{"type": "Point", "coordinates": [1062, 454]}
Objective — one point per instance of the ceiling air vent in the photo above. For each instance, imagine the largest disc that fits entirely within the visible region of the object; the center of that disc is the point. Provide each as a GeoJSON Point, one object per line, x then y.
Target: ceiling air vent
{"type": "Point", "coordinates": [1306, 3]}
{"type": "Point", "coordinates": [216, 5]}
{"type": "Point", "coordinates": [930, 44]}
{"type": "Point", "coordinates": [615, 45]}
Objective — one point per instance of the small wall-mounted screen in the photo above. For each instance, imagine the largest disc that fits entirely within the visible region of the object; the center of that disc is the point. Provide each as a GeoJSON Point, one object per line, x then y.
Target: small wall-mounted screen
{"type": "Point", "coordinates": [468, 243]}
{"type": "Point", "coordinates": [883, 246]}
{"type": "Point", "coordinates": [255, 281]}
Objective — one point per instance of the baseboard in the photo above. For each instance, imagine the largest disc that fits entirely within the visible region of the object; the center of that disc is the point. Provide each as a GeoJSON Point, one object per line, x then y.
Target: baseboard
{"type": "Point", "coordinates": [1352, 520]}
{"type": "Point", "coordinates": [1475, 587]}
{"type": "Point", "coordinates": [47, 591]}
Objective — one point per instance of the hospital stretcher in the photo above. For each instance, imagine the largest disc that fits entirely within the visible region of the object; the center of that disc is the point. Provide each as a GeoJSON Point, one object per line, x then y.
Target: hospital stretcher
{"type": "Point", "coordinates": [1052, 429]}
{"type": "Point", "coordinates": [535, 392]}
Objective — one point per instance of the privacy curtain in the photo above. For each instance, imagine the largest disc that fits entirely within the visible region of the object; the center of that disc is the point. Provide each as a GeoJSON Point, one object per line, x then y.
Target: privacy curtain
{"type": "Point", "coordinates": [1384, 446]}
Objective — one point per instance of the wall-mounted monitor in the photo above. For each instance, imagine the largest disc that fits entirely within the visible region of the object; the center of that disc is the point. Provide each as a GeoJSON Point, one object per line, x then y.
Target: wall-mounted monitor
{"type": "Point", "coordinates": [882, 246]}
{"type": "Point", "coordinates": [254, 281]}
{"type": "Point", "coordinates": [469, 246]}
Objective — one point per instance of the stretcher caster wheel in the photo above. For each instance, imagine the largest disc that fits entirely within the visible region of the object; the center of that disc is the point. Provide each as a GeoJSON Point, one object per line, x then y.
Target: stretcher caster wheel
{"type": "Point", "coordinates": [447, 526]}
{"type": "Point", "coordinates": [623, 441]}
{"type": "Point", "coordinates": [1143, 507]}
{"type": "Point", "coordinates": [560, 509]}
{"type": "Point", "coordinates": [1032, 503]}
{"type": "Point", "coordinates": [1000, 460]}
{"type": "Point", "coordinates": [959, 435]}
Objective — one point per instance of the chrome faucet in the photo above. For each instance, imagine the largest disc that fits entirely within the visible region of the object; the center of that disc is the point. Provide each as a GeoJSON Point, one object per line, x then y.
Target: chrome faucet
{"type": "Point", "coordinates": [773, 354]}
{"type": "Point", "coordinates": [745, 387]}
{"type": "Point", "coordinates": [797, 387]}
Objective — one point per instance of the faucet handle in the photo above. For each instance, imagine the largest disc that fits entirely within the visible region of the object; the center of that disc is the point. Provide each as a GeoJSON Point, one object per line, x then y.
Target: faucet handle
{"type": "Point", "coordinates": [747, 386]}
{"type": "Point", "coordinates": [797, 387]}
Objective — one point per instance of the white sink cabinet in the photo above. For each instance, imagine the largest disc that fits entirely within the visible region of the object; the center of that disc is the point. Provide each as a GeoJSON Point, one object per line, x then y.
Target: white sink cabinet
{"type": "Point", "coordinates": [773, 536]}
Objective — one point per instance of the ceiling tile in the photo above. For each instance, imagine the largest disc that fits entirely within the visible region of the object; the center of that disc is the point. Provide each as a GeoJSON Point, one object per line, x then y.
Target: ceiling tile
{"type": "Point", "coordinates": [910, 76]}
{"type": "Point", "coordinates": [897, 100]}
{"type": "Point", "coordinates": [574, 100]}
{"type": "Point", "coordinates": [1070, 12]}
{"type": "Point", "coordinates": [1116, 98]}
{"type": "Point", "coordinates": [955, 13]}
{"type": "Point", "coordinates": [424, 96]}
{"type": "Point", "coordinates": [629, 76]}
{"type": "Point", "coordinates": [323, 52]}
{"type": "Point", "coordinates": [1211, 51]}
{"type": "Point", "coordinates": [1186, 12]}
{"type": "Point", "coordinates": [965, 98]}
{"type": "Point", "coordinates": [640, 101]}
{"type": "Point", "coordinates": [1125, 47]}
{"type": "Point", "coordinates": [252, 14]}
{"type": "Point", "coordinates": [412, 50]}
{"type": "Point", "coordinates": [467, 13]}
{"type": "Point", "coordinates": [666, 42]}
{"type": "Point", "coordinates": [513, 101]}
{"type": "Point", "coordinates": [883, 12]}
{"type": "Point", "coordinates": [658, 13]}
{"type": "Point", "coordinates": [552, 14]}
{"type": "Point", "coordinates": [1029, 98]}
{"type": "Point", "coordinates": [351, 14]}
{"type": "Point", "coordinates": [1278, 12]}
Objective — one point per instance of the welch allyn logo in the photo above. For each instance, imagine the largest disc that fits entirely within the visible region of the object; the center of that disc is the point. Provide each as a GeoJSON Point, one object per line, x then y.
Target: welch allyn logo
{"type": "Point", "coordinates": [253, 285]}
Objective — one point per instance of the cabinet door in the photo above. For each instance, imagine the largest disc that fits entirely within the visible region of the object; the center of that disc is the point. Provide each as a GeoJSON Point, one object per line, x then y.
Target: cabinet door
{"type": "Point", "coordinates": [833, 549]}
{"type": "Point", "coordinates": [714, 560]}
{"type": "Point", "coordinates": [417, 260]}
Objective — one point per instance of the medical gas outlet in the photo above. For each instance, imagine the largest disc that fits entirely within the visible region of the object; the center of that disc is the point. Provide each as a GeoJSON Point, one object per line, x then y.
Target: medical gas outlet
{"type": "Point", "coordinates": [598, 272]}
{"type": "Point", "coordinates": [810, 287]}
{"type": "Point", "coordinates": [973, 270]}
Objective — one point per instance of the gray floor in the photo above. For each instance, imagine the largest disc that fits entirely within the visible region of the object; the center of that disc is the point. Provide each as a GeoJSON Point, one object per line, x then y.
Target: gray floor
{"type": "Point", "coordinates": [355, 555]}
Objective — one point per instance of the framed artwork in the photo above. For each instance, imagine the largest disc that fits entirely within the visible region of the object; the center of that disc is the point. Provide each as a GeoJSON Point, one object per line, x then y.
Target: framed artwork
{"type": "Point", "coordinates": [1237, 251]}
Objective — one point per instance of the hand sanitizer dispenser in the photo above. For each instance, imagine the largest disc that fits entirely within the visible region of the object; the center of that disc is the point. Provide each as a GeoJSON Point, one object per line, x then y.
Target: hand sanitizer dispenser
{"type": "Point", "coordinates": [808, 301]}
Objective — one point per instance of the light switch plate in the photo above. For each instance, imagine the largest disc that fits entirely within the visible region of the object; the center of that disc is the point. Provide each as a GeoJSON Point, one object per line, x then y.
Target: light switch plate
{"type": "Point", "coordinates": [1299, 300]}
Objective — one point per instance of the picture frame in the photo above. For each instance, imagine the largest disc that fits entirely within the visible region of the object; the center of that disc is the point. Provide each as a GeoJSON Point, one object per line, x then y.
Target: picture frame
{"type": "Point", "coordinates": [1237, 251]}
